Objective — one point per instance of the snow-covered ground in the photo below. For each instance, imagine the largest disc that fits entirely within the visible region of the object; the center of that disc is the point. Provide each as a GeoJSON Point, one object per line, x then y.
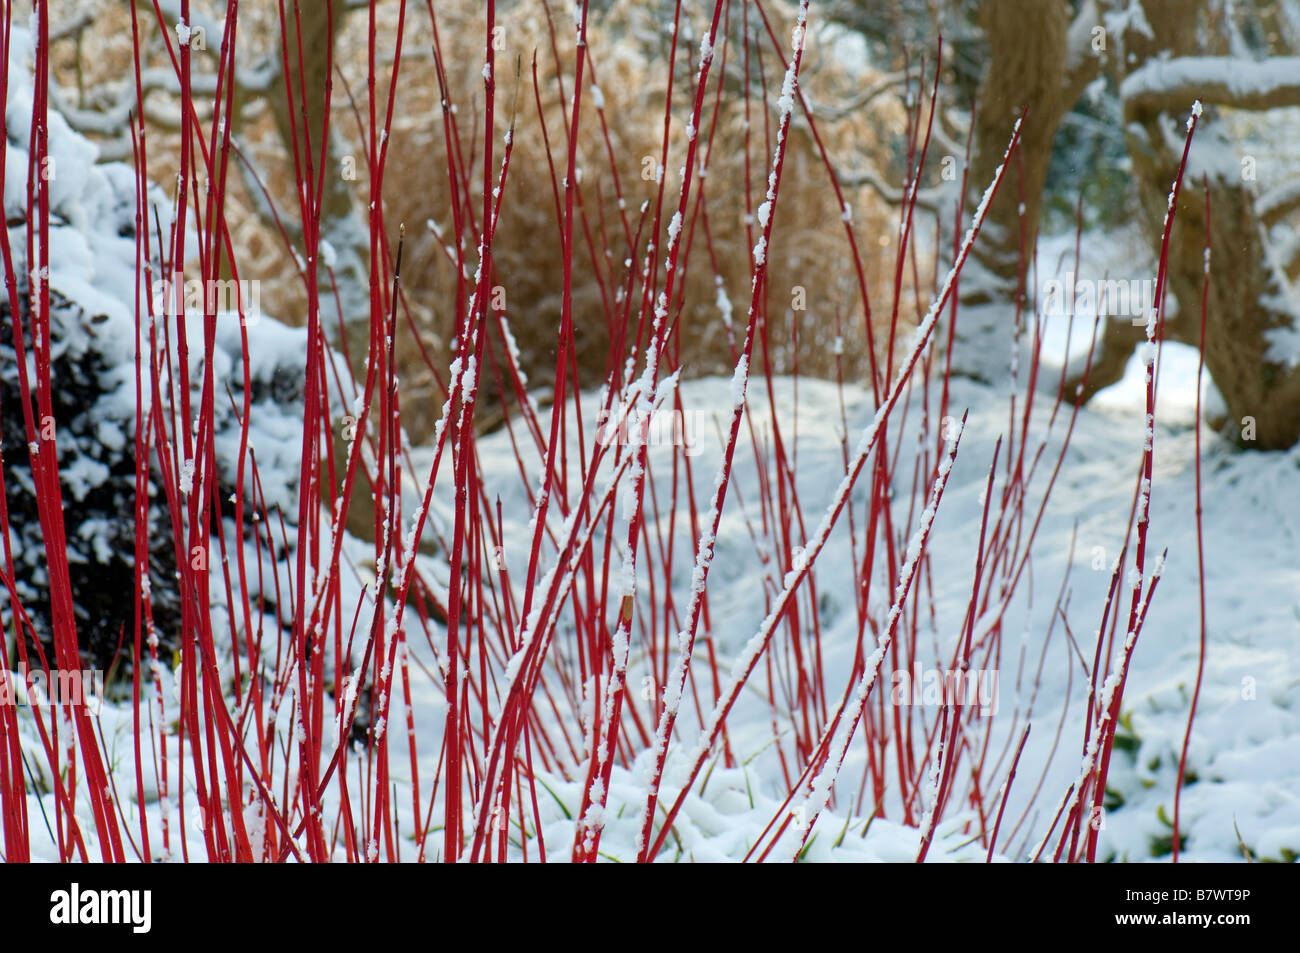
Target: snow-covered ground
{"type": "Point", "coordinates": [1245, 749]}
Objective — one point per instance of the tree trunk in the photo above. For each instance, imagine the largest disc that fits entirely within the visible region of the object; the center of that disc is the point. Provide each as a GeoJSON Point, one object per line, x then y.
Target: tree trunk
{"type": "Point", "coordinates": [1251, 312]}
{"type": "Point", "coordinates": [339, 226]}
{"type": "Point", "coordinates": [1031, 73]}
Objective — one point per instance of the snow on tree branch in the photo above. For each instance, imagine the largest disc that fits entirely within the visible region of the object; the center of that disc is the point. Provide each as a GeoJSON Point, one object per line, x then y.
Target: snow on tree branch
{"type": "Point", "coordinates": [1167, 85]}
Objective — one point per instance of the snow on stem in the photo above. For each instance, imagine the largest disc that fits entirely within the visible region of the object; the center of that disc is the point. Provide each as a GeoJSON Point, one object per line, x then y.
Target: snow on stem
{"type": "Point", "coordinates": [748, 658]}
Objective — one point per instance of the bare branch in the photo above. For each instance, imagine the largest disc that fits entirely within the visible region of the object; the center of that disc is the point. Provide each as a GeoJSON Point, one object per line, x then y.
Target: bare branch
{"type": "Point", "coordinates": [864, 98]}
{"type": "Point", "coordinates": [927, 199]}
{"type": "Point", "coordinates": [1171, 85]}
{"type": "Point", "coordinates": [1277, 204]}
{"type": "Point", "coordinates": [73, 27]}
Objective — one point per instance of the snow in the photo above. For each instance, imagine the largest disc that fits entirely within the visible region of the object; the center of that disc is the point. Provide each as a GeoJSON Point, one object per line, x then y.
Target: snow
{"type": "Point", "coordinates": [674, 229]}
{"type": "Point", "coordinates": [1245, 749]}
{"type": "Point", "coordinates": [1236, 745]}
{"type": "Point", "coordinates": [706, 50]}
{"type": "Point", "coordinates": [739, 381]}
{"type": "Point", "coordinates": [1242, 79]}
